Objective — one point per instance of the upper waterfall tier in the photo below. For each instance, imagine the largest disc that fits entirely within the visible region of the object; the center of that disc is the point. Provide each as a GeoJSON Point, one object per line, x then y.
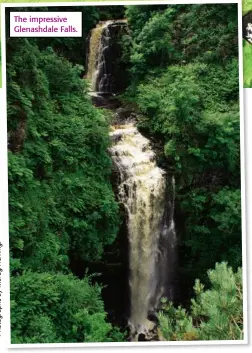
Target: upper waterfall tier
{"type": "Point", "coordinates": [104, 70]}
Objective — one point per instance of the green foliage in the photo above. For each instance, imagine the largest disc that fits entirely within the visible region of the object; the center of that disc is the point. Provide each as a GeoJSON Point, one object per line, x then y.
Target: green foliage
{"type": "Point", "coordinates": [247, 67]}
{"type": "Point", "coordinates": [54, 308]}
{"type": "Point", "coordinates": [60, 195]}
{"type": "Point", "coordinates": [175, 324]}
{"type": "Point", "coordinates": [172, 34]}
{"type": "Point", "coordinates": [138, 16]}
{"type": "Point", "coordinates": [206, 33]}
{"type": "Point", "coordinates": [215, 314]}
{"type": "Point", "coordinates": [246, 6]}
{"type": "Point", "coordinates": [159, 48]}
{"type": "Point", "coordinates": [186, 85]}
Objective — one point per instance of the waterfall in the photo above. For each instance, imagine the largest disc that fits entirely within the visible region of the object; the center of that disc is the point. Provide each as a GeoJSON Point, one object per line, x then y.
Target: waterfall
{"type": "Point", "coordinates": [103, 53]}
{"type": "Point", "coordinates": [142, 191]}
{"type": "Point", "coordinates": [99, 44]}
{"type": "Point", "coordinates": [94, 46]}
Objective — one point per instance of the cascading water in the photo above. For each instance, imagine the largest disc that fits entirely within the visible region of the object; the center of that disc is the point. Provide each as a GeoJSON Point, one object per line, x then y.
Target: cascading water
{"type": "Point", "coordinates": [94, 45]}
{"type": "Point", "coordinates": [103, 47]}
{"type": "Point", "coordinates": [142, 189]}
{"type": "Point", "coordinates": [99, 43]}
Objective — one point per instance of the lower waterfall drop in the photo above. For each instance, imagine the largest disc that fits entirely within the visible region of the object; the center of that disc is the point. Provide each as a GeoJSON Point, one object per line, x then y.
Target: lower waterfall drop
{"type": "Point", "coordinates": [142, 191]}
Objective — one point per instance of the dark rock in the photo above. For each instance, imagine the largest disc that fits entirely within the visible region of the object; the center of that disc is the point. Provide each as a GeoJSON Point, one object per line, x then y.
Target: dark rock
{"type": "Point", "coordinates": [141, 337]}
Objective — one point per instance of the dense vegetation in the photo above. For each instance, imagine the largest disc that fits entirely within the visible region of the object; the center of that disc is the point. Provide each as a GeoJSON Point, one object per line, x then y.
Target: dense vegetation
{"type": "Point", "coordinates": [183, 71]}
{"type": "Point", "coordinates": [60, 197]}
{"type": "Point", "coordinates": [186, 87]}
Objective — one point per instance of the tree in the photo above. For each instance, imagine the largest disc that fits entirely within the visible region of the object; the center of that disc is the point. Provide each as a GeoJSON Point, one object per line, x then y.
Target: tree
{"type": "Point", "coordinates": [215, 313]}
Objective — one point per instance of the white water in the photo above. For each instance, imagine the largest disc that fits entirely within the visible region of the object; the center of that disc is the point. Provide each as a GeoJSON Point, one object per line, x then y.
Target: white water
{"type": "Point", "coordinates": [142, 190]}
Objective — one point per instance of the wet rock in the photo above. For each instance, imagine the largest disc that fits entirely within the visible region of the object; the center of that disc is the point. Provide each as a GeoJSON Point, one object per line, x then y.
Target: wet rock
{"type": "Point", "coordinates": [124, 115]}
